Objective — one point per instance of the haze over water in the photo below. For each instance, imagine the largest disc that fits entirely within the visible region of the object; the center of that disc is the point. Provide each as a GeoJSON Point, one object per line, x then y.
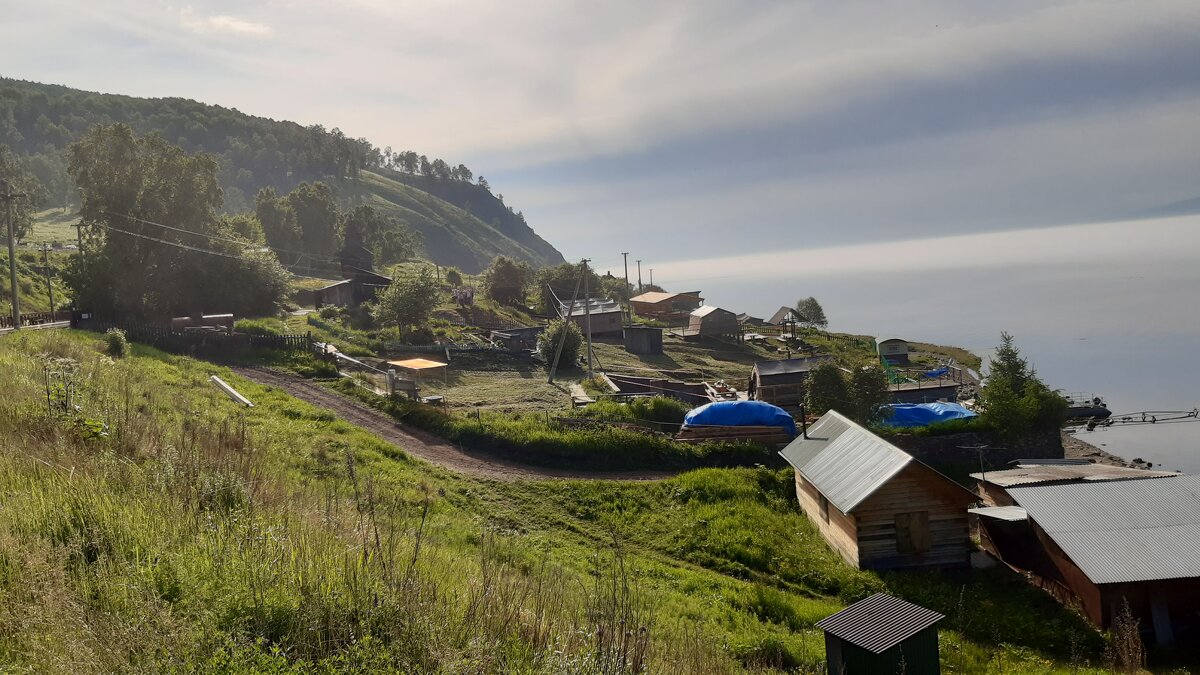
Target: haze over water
{"type": "Point", "coordinates": [1107, 308]}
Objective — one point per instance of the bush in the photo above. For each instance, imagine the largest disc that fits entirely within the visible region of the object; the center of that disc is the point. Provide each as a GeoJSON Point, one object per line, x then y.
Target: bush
{"type": "Point", "coordinates": [115, 343]}
{"type": "Point", "coordinates": [453, 277]}
{"type": "Point", "coordinates": [548, 342]}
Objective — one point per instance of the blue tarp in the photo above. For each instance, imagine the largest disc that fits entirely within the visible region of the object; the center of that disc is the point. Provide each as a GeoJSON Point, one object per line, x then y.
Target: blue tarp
{"type": "Point", "coordinates": [936, 373]}
{"type": "Point", "coordinates": [924, 414]}
{"type": "Point", "coordinates": [741, 414]}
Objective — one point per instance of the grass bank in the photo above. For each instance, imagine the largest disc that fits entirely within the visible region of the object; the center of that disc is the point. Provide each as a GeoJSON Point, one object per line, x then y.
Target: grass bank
{"type": "Point", "coordinates": [151, 524]}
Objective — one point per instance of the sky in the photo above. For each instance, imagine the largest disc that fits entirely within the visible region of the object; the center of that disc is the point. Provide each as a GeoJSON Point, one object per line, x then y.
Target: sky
{"type": "Point", "coordinates": [690, 130]}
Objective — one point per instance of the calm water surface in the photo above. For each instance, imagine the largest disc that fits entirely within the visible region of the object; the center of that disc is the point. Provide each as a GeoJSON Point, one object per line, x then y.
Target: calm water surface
{"type": "Point", "coordinates": [1111, 308]}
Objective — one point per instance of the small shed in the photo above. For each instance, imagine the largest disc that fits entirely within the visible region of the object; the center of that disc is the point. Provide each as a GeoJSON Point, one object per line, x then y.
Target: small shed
{"type": "Point", "coordinates": [781, 382]}
{"type": "Point", "coordinates": [893, 350]}
{"type": "Point", "coordinates": [662, 305]}
{"type": "Point", "coordinates": [524, 337]}
{"type": "Point", "coordinates": [876, 505]}
{"type": "Point", "coordinates": [643, 340]}
{"type": "Point", "coordinates": [223, 322]}
{"type": "Point", "coordinates": [605, 316]}
{"type": "Point", "coordinates": [882, 634]}
{"type": "Point", "coordinates": [709, 321]}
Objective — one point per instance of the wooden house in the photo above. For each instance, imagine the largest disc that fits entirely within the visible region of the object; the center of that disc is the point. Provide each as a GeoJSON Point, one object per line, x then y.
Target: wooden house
{"type": "Point", "coordinates": [606, 317]}
{"type": "Point", "coordinates": [882, 634]}
{"type": "Point", "coordinates": [361, 287]}
{"type": "Point", "coordinates": [709, 321]}
{"type": "Point", "coordinates": [875, 504]}
{"type": "Point", "coordinates": [781, 382]}
{"type": "Point", "coordinates": [665, 306]}
{"type": "Point", "coordinates": [993, 486]}
{"type": "Point", "coordinates": [1104, 543]}
{"type": "Point", "coordinates": [893, 349]}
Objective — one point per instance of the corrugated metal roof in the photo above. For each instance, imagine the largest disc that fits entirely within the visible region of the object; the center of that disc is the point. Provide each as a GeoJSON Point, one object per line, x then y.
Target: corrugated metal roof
{"type": "Point", "coordinates": [844, 461]}
{"type": "Point", "coordinates": [1009, 513]}
{"type": "Point", "coordinates": [788, 366]}
{"type": "Point", "coordinates": [592, 306]}
{"type": "Point", "coordinates": [889, 338]}
{"type": "Point", "coordinates": [879, 622]}
{"type": "Point", "coordinates": [652, 297]}
{"type": "Point", "coordinates": [1121, 531]}
{"type": "Point", "coordinates": [1033, 474]}
{"type": "Point", "coordinates": [709, 309]}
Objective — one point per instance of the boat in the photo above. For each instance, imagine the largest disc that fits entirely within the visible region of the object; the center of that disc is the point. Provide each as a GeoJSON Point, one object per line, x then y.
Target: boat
{"type": "Point", "coordinates": [1086, 407]}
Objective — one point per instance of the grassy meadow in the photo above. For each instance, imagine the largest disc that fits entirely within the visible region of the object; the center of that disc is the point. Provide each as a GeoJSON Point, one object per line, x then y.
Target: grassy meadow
{"type": "Point", "coordinates": [151, 525]}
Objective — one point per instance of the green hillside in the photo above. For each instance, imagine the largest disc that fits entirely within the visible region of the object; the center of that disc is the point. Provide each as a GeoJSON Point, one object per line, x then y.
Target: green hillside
{"type": "Point", "coordinates": [462, 222]}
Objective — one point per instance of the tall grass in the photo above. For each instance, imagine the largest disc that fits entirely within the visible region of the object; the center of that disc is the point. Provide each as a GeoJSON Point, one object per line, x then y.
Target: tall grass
{"type": "Point", "coordinates": [151, 525]}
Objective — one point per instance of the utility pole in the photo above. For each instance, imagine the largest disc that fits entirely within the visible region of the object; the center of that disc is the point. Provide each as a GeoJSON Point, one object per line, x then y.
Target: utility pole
{"type": "Point", "coordinates": [49, 284]}
{"type": "Point", "coordinates": [639, 276]}
{"type": "Point", "coordinates": [563, 338]}
{"type": "Point", "coordinates": [7, 195]}
{"type": "Point", "coordinates": [626, 257]}
{"type": "Point", "coordinates": [651, 276]}
{"type": "Point", "coordinates": [587, 315]}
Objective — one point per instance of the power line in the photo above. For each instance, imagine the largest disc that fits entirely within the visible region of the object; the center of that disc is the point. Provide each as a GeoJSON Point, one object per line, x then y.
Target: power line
{"type": "Point", "coordinates": [197, 249]}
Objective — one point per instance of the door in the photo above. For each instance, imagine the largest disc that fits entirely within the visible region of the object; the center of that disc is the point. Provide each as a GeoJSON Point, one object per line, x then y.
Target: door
{"type": "Point", "coordinates": [912, 532]}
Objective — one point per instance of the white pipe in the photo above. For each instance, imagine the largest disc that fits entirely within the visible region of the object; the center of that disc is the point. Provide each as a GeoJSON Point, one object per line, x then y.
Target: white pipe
{"type": "Point", "coordinates": [233, 394]}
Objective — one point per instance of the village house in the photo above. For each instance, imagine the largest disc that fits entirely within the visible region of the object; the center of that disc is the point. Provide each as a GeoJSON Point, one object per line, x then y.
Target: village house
{"type": "Point", "coordinates": [993, 486]}
{"type": "Point", "coordinates": [709, 321]}
{"type": "Point", "coordinates": [362, 287]}
{"type": "Point", "coordinates": [665, 306]}
{"type": "Point", "coordinates": [781, 382]}
{"type": "Point", "coordinates": [875, 504]}
{"type": "Point", "coordinates": [1104, 543]}
{"type": "Point", "coordinates": [605, 316]}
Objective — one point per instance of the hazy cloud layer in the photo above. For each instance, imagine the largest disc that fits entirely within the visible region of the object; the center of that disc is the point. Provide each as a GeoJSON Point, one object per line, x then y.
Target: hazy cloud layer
{"type": "Point", "coordinates": [684, 129]}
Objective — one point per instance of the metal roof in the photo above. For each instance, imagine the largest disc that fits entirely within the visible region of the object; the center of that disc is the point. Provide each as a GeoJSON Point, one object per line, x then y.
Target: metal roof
{"type": "Point", "coordinates": [592, 306]}
{"type": "Point", "coordinates": [1033, 474]}
{"type": "Point", "coordinates": [844, 461]}
{"type": "Point", "coordinates": [1122, 531]}
{"type": "Point", "coordinates": [879, 622]}
{"type": "Point", "coordinates": [1009, 513]}
{"type": "Point", "coordinates": [788, 366]}
{"type": "Point", "coordinates": [889, 338]}
{"type": "Point", "coordinates": [652, 297]}
{"type": "Point", "coordinates": [709, 309]}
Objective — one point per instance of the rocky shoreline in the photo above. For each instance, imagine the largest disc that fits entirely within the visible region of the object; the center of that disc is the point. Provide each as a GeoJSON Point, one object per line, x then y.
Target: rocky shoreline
{"type": "Point", "coordinates": [1075, 448]}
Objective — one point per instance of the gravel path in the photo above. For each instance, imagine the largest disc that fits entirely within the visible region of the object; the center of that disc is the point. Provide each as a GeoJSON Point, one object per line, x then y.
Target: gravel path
{"type": "Point", "coordinates": [422, 444]}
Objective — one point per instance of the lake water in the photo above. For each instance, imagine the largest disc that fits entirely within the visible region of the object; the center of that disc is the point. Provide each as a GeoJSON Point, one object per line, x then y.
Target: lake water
{"type": "Point", "coordinates": [1107, 308]}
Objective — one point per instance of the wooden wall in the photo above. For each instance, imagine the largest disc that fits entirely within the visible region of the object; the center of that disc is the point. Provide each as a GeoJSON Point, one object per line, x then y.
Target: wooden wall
{"type": "Point", "coordinates": [839, 530]}
{"type": "Point", "coordinates": [917, 519]}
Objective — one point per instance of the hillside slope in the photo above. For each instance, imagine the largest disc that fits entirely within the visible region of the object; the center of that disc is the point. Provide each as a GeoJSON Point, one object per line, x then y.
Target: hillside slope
{"type": "Point", "coordinates": [463, 223]}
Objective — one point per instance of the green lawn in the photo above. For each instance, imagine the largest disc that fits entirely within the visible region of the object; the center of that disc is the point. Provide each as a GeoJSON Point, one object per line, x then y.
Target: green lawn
{"type": "Point", "coordinates": [153, 525]}
{"type": "Point", "coordinates": [54, 225]}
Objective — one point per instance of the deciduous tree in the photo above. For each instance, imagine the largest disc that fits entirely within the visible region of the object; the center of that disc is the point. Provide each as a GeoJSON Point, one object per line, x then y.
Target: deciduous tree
{"type": "Point", "coordinates": [408, 301]}
{"type": "Point", "coordinates": [506, 280]}
{"type": "Point", "coordinates": [810, 313]}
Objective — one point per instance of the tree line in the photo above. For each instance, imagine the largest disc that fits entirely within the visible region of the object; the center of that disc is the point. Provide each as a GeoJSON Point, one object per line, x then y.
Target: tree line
{"type": "Point", "coordinates": [38, 122]}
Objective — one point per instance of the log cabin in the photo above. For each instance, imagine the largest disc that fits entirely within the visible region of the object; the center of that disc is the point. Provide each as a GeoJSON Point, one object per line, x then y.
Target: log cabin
{"type": "Point", "coordinates": [876, 505]}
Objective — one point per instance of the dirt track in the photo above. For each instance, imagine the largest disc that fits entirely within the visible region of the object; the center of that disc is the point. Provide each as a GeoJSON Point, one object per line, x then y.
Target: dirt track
{"type": "Point", "coordinates": [424, 445]}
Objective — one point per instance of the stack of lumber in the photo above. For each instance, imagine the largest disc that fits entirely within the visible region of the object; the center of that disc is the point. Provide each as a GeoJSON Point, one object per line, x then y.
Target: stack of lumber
{"type": "Point", "coordinates": [758, 434]}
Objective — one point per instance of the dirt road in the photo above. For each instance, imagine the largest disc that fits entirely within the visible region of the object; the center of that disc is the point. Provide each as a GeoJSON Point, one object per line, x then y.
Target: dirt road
{"type": "Point", "coordinates": [422, 444]}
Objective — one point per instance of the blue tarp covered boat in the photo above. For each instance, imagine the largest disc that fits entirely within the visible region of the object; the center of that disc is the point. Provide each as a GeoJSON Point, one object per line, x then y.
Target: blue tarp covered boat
{"type": "Point", "coordinates": [741, 414]}
{"type": "Point", "coordinates": [924, 414]}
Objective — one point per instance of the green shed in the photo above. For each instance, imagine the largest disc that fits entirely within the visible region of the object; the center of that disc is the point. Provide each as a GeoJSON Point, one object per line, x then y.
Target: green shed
{"type": "Point", "coordinates": [881, 635]}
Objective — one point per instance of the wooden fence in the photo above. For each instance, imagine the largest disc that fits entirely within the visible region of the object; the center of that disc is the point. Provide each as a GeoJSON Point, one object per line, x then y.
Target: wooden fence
{"type": "Point", "coordinates": [191, 341]}
{"type": "Point", "coordinates": [35, 318]}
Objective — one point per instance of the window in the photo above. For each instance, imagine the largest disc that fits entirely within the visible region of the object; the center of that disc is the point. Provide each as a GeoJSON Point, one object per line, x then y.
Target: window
{"type": "Point", "coordinates": [824, 507]}
{"type": "Point", "coordinates": [912, 532]}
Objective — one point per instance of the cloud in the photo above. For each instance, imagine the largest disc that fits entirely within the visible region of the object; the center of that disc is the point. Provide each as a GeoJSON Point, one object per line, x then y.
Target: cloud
{"type": "Point", "coordinates": [224, 24]}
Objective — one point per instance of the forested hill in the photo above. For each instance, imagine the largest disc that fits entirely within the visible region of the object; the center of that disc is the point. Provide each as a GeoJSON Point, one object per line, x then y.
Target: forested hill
{"type": "Point", "coordinates": [461, 222]}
